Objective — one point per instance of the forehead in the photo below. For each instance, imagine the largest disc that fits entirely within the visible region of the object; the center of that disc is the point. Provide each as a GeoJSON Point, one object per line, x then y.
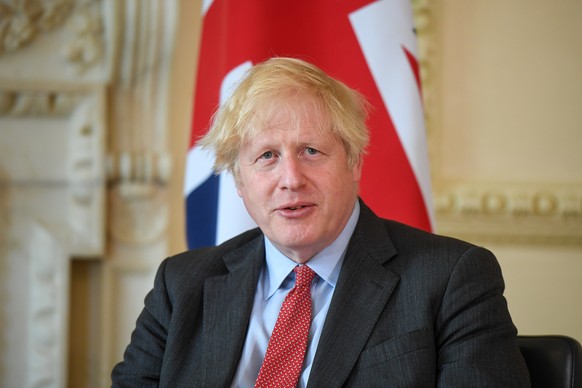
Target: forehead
{"type": "Point", "coordinates": [289, 110]}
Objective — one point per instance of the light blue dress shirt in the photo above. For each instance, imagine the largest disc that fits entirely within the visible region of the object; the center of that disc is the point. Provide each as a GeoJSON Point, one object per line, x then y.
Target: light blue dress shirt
{"type": "Point", "coordinates": [275, 281]}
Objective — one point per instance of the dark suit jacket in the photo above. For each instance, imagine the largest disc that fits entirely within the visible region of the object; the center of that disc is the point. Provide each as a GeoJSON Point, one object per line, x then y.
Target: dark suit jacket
{"type": "Point", "coordinates": [411, 309]}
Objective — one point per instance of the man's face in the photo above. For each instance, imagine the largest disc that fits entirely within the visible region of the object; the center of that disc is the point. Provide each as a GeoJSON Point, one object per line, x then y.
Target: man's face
{"type": "Point", "coordinates": [296, 183]}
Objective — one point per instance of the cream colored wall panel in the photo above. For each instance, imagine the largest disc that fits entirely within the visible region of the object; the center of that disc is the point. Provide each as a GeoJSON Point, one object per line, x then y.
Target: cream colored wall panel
{"type": "Point", "coordinates": [511, 91]}
{"type": "Point", "coordinates": [543, 288]}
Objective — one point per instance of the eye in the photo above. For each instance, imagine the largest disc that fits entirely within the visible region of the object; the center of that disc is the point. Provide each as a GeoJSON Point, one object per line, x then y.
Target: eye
{"type": "Point", "coordinates": [311, 151]}
{"type": "Point", "coordinates": [267, 155]}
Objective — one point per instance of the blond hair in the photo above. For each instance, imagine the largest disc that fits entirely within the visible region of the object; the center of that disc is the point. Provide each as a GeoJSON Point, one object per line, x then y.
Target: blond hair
{"type": "Point", "coordinates": [257, 99]}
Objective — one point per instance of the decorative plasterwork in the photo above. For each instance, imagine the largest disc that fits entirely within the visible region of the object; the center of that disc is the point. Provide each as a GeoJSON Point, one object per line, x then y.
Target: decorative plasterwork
{"type": "Point", "coordinates": [77, 119]}
{"type": "Point", "coordinates": [144, 167]}
{"type": "Point", "coordinates": [75, 27]}
{"type": "Point", "coordinates": [37, 103]}
{"type": "Point", "coordinates": [22, 21]}
{"type": "Point", "coordinates": [137, 196]}
{"type": "Point", "coordinates": [518, 213]}
{"type": "Point", "coordinates": [138, 165]}
{"type": "Point", "coordinates": [87, 47]}
{"type": "Point", "coordinates": [87, 177]}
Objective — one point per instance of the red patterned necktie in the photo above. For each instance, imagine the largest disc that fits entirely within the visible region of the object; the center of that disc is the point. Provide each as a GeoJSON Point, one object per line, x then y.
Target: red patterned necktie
{"type": "Point", "coordinates": [288, 342]}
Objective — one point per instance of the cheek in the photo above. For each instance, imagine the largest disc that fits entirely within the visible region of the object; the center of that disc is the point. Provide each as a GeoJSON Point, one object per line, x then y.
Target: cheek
{"type": "Point", "coordinates": [246, 192]}
{"type": "Point", "coordinates": [248, 189]}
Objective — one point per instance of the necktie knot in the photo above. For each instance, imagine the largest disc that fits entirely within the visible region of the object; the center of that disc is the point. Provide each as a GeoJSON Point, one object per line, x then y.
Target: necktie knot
{"type": "Point", "coordinates": [304, 276]}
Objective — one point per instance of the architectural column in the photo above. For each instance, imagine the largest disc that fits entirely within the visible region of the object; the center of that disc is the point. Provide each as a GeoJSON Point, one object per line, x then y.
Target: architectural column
{"type": "Point", "coordinates": [138, 166]}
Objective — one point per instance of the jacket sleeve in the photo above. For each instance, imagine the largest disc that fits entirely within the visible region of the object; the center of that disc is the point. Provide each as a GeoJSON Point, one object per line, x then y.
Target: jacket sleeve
{"type": "Point", "coordinates": [142, 360]}
{"type": "Point", "coordinates": [476, 339]}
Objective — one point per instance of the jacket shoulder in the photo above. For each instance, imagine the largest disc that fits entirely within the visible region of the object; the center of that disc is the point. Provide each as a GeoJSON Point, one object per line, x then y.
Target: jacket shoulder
{"type": "Point", "coordinates": [403, 234]}
{"type": "Point", "coordinates": [375, 231]}
{"type": "Point", "coordinates": [209, 260]}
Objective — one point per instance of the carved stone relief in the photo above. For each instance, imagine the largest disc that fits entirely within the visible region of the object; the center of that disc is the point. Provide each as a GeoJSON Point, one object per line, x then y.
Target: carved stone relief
{"type": "Point", "coordinates": [54, 41]}
{"type": "Point", "coordinates": [23, 21]}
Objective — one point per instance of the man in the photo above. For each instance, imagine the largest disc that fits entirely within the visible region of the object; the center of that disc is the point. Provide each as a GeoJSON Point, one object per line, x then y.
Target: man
{"type": "Point", "coordinates": [390, 305]}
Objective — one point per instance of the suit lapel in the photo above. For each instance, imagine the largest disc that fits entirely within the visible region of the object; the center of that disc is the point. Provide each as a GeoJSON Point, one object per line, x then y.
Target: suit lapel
{"type": "Point", "coordinates": [363, 289]}
{"type": "Point", "coordinates": [228, 301]}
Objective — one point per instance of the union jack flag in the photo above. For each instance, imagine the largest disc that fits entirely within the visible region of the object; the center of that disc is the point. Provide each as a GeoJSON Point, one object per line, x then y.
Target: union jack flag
{"type": "Point", "coordinates": [369, 45]}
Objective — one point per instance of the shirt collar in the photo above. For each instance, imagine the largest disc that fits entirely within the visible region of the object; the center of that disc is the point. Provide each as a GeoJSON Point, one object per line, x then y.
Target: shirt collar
{"type": "Point", "coordinates": [326, 264]}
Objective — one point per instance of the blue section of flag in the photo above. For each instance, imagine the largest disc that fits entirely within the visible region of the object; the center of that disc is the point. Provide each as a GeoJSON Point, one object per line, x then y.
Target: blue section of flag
{"type": "Point", "coordinates": [201, 213]}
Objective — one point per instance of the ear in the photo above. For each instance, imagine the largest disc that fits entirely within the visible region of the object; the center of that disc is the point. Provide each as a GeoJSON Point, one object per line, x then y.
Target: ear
{"type": "Point", "coordinates": [238, 183]}
{"type": "Point", "coordinates": [357, 169]}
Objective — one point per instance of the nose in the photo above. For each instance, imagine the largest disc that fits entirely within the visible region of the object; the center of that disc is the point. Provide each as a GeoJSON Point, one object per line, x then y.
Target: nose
{"type": "Point", "coordinates": [292, 174]}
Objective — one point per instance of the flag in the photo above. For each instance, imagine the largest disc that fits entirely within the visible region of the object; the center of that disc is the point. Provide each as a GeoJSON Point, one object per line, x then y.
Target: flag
{"type": "Point", "coordinates": [368, 45]}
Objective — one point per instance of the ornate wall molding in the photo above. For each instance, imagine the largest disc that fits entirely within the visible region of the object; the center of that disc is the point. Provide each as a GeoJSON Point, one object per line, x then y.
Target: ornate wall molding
{"type": "Point", "coordinates": [504, 212]}
{"type": "Point", "coordinates": [21, 103]}
{"type": "Point", "coordinates": [138, 165]}
{"type": "Point", "coordinates": [144, 167]}
{"type": "Point", "coordinates": [77, 128]}
{"type": "Point", "coordinates": [137, 196]}
{"type": "Point", "coordinates": [88, 45]}
{"type": "Point", "coordinates": [23, 21]}
{"type": "Point", "coordinates": [69, 32]}
{"type": "Point", "coordinates": [86, 171]}
{"type": "Point", "coordinates": [511, 201]}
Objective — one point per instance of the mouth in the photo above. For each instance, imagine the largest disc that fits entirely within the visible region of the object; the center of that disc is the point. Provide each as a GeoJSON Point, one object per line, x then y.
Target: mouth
{"type": "Point", "coordinates": [295, 207]}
